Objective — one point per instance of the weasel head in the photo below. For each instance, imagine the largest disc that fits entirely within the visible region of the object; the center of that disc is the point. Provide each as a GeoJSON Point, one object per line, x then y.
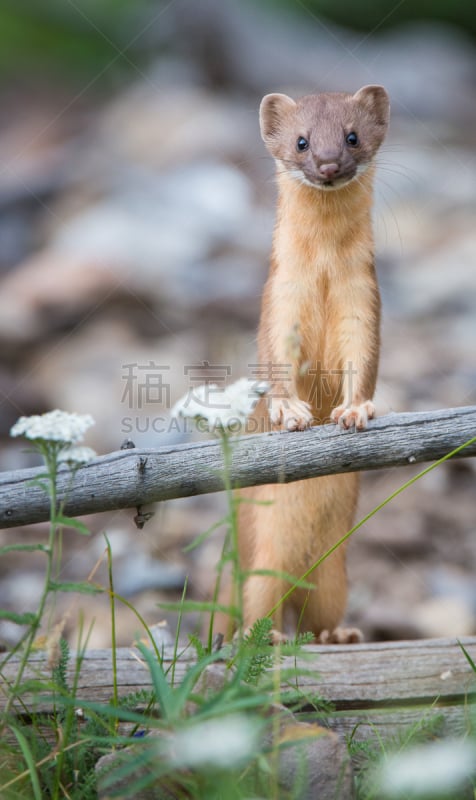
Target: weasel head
{"type": "Point", "coordinates": [325, 140]}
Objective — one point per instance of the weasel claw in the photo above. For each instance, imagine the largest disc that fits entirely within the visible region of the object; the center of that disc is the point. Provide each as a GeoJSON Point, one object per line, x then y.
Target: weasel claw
{"type": "Point", "coordinates": [354, 415]}
{"type": "Point", "coordinates": [341, 636]}
{"type": "Point", "coordinates": [292, 415]}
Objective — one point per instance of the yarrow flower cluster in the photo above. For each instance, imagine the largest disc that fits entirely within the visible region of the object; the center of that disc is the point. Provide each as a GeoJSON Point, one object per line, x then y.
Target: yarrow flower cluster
{"type": "Point", "coordinates": [222, 409]}
{"type": "Point", "coordinates": [54, 426]}
{"type": "Point", "coordinates": [219, 743]}
{"type": "Point", "coordinates": [435, 769]}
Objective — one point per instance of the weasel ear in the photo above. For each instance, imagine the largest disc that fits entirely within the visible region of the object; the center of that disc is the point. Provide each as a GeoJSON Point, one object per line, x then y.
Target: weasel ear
{"type": "Point", "coordinates": [272, 111]}
{"type": "Point", "coordinates": [375, 100]}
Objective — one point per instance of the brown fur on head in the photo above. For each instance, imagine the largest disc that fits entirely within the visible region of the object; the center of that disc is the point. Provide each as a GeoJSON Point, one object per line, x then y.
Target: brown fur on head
{"type": "Point", "coordinates": [325, 140]}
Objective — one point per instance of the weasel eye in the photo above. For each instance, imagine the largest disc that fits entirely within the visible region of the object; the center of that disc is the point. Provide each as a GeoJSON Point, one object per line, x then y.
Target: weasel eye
{"type": "Point", "coordinates": [302, 144]}
{"type": "Point", "coordinates": [352, 139]}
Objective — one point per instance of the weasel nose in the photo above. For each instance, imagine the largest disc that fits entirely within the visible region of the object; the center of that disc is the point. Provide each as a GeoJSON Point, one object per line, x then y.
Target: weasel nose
{"type": "Point", "coordinates": [328, 170]}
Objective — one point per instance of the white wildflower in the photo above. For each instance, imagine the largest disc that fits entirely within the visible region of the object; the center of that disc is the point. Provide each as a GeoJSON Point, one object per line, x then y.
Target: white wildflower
{"type": "Point", "coordinates": [225, 742]}
{"type": "Point", "coordinates": [429, 770]}
{"type": "Point", "coordinates": [244, 394]}
{"type": "Point", "coordinates": [221, 408]}
{"type": "Point", "coordinates": [54, 426]}
{"type": "Point", "coordinates": [77, 455]}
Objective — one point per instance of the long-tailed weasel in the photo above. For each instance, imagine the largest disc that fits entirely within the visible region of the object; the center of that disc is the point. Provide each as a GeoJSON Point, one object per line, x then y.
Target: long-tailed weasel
{"type": "Point", "coordinates": [319, 338]}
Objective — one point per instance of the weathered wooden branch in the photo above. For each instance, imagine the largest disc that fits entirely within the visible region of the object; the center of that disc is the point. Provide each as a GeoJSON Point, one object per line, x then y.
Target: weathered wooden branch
{"type": "Point", "coordinates": [131, 478]}
{"type": "Point", "coordinates": [382, 687]}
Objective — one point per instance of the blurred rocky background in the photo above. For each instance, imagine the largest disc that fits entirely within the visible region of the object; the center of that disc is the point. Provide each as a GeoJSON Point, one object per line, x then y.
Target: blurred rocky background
{"type": "Point", "coordinates": [136, 214]}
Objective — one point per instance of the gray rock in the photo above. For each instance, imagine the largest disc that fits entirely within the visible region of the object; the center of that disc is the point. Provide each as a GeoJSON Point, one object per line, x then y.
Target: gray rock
{"type": "Point", "coordinates": [154, 228]}
{"type": "Point", "coordinates": [389, 621]}
{"type": "Point", "coordinates": [447, 616]}
{"type": "Point", "coordinates": [312, 761]}
{"type": "Point", "coordinates": [121, 787]}
{"type": "Point", "coordinates": [139, 572]}
{"type": "Point", "coordinates": [426, 287]}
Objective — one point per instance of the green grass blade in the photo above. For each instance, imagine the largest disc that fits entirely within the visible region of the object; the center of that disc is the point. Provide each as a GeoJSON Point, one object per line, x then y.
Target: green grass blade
{"type": "Point", "coordinates": [183, 692]}
{"type": "Point", "coordinates": [177, 632]}
{"type": "Point", "coordinates": [203, 536]}
{"type": "Point", "coordinates": [112, 608]}
{"type": "Point", "coordinates": [467, 655]}
{"type": "Point", "coordinates": [142, 621]}
{"type": "Point", "coordinates": [197, 605]}
{"type": "Point", "coordinates": [81, 588]}
{"type": "Point", "coordinates": [297, 583]}
{"type": "Point", "coordinates": [71, 522]}
{"type": "Point", "coordinates": [30, 762]}
{"type": "Point", "coordinates": [163, 690]}
{"type": "Point", "coordinates": [26, 548]}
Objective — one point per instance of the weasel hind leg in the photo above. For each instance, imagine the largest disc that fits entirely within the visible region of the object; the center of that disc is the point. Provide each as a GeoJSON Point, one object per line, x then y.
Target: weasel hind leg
{"type": "Point", "coordinates": [297, 524]}
{"type": "Point", "coordinates": [321, 609]}
{"type": "Point", "coordinates": [321, 615]}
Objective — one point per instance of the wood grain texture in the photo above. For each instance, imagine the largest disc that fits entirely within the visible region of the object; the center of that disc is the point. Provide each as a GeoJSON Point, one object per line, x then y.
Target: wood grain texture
{"type": "Point", "coordinates": [131, 478]}
{"type": "Point", "coordinates": [382, 687]}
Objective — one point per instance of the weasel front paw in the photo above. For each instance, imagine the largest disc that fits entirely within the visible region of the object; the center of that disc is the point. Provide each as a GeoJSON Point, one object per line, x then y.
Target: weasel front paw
{"type": "Point", "coordinates": [348, 416]}
{"type": "Point", "coordinates": [292, 414]}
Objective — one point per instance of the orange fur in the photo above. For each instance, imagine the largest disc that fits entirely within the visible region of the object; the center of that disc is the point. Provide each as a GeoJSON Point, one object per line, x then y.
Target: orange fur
{"type": "Point", "coordinates": [320, 316]}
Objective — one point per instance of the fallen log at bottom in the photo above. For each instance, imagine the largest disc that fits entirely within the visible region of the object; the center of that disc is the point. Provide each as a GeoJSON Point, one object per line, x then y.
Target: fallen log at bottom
{"type": "Point", "coordinates": [374, 689]}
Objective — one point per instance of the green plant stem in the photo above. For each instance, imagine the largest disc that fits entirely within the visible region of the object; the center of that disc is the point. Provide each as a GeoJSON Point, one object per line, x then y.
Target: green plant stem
{"type": "Point", "coordinates": [112, 606]}
{"type": "Point", "coordinates": [177, 631]}
{"type": "Point", "coordinates": [70, 716]}
{"type": "Point", "coordinates": [142, 621]}
{"type": "Point", "coordinates": [237, 577]}
{"type": "Point", "coordinates": [50, 455]}
{"type": "Point", "coordinates": [230, 549]}
{"type": "Point", "coordinates": [216, 593]}
{"type": "Point", "coordinates": [368, 516]}
{"type": "Point", "coordinates": [51, 459]}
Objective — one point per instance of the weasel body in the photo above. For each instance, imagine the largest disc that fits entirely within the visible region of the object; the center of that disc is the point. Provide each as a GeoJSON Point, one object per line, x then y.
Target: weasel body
{"type": "Point", "coordinates": [319, 338]}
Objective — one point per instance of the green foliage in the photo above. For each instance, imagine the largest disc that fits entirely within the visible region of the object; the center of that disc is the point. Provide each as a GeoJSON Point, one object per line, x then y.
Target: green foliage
{"type": "Point", "coordinates": [28, 618]}
{"type": "Point", "coordinates": [60, 669]}
{"type": "Point", "coordinates": [200, 649]}
{"type": "Point", "coordinates": [101, 39]}
{"type": "Point", "coordinates": [367, 755]}
{"type": "Point", "coordinates": [212, 734]}
{"type": "Point", "coordinates": [142, 698]}
{"type": "Point", "coordinates": [372, 17]}
{"type": "Point", "coordinates": [256, 655]}
{"type": "Point", "coordinates": [52, 752]}
{"type": "Point", "coordinates": [85, 38]}
{"type": "Point", "coordinates": [303, 638]}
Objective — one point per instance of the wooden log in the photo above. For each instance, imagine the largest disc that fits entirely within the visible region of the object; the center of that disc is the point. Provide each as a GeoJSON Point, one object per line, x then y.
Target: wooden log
{"type": "Point", "coordinates": [131, 478]}
{"type": "Point", "coordinates": [379, 687]}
